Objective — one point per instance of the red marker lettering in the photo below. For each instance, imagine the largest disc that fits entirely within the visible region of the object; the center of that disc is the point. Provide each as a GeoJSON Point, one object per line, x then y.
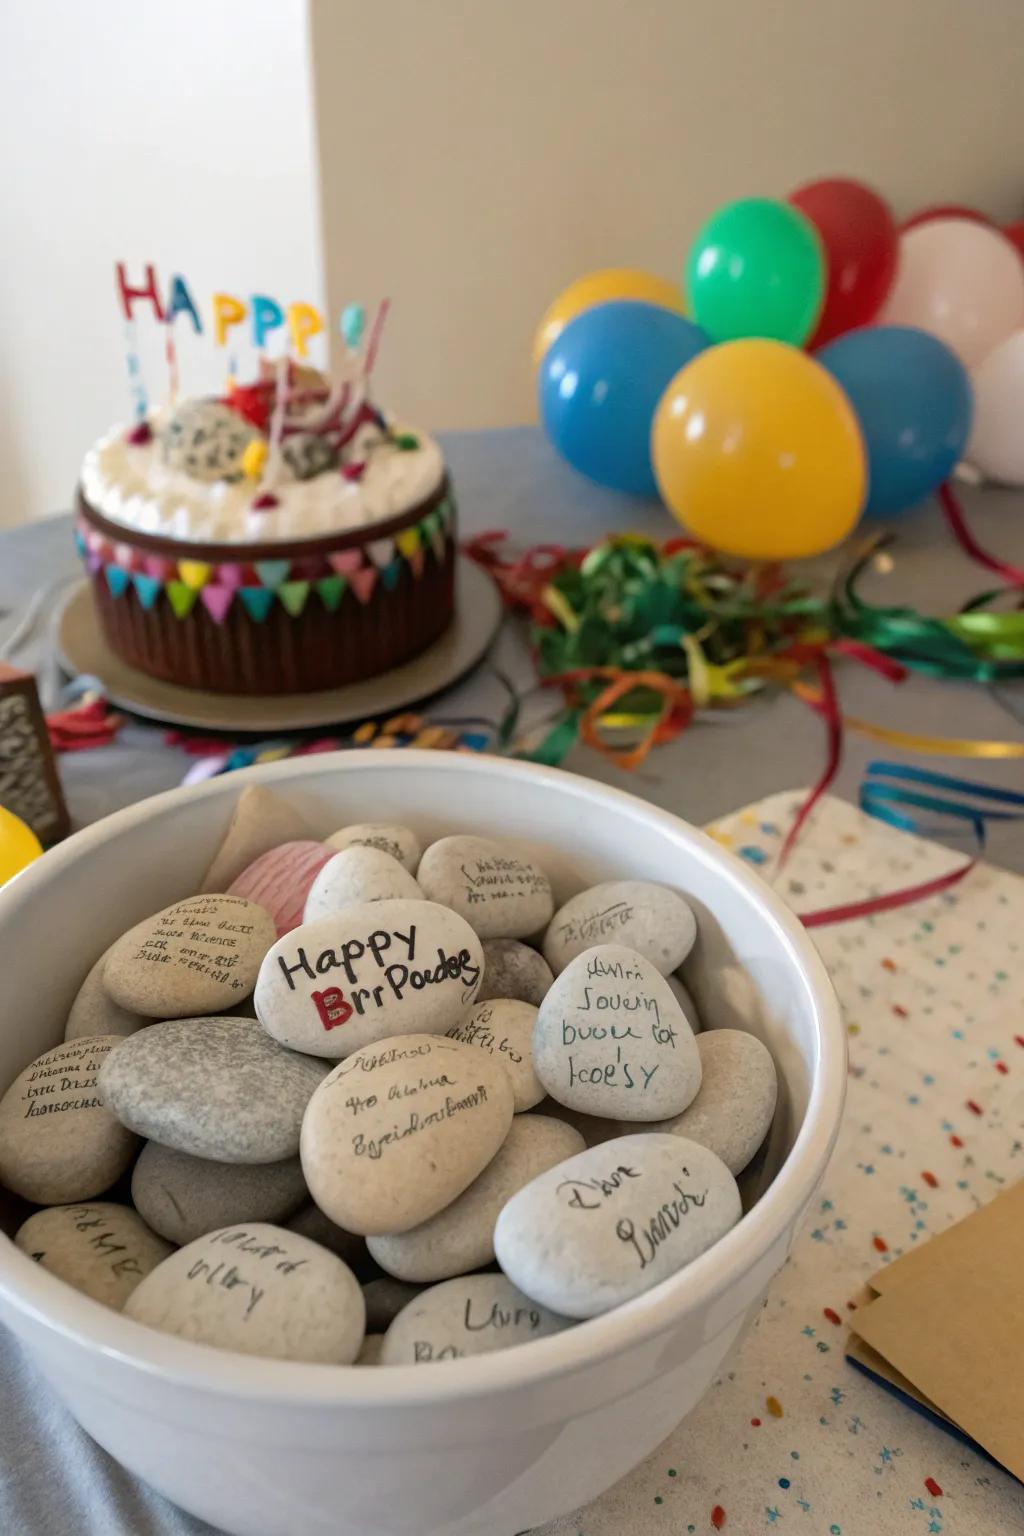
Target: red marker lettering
{"type": "Point", "coordinates": [332, 1007]}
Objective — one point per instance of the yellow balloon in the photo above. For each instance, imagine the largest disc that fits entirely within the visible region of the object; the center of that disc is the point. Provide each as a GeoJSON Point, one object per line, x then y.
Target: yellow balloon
{"type": "Point", "coordinates": [600, 288]}
{"type": "Point", "coordinates": [758, 453]}
{"type": "Point", "coordinates": [18, 845]}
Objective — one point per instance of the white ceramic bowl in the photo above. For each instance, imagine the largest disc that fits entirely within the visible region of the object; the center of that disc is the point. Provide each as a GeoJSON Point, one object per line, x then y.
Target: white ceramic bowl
{"type": "Point", "coordinates": [491, 1445]}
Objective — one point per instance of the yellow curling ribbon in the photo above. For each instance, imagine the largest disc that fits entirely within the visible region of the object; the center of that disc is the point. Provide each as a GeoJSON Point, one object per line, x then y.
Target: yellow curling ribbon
{"type": "Point", "coordinates": [936, 746]}
{"type": "Point", "coordinates": [561, 608]}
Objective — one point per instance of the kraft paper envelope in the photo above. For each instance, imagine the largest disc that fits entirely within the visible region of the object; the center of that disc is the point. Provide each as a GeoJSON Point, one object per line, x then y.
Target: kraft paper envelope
{"type": "Point", "coordinates": [948, 1326]}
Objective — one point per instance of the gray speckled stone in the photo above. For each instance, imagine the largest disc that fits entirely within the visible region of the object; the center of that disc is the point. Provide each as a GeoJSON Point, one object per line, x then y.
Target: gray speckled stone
{"type": "Point", "coordinates": [512, 969]}
{"type": "Point", "coordinates": [473, 1315]}
{"type": "Point", "coordinates": [610, 1039]}
{"type": "Point", "coordinates": [736, 1100]}
{"type": "Point", "coordinates": [102, 1249]}
{"type": "Point", "coordinates": [461, 1237]}
{"type": "Point", "coordinates": [504, 1029]}
{"type": "Point", "coordinates": [500, 894]}
{"type": "Point", "coordinates": [371, 971]}
{"type": "Point", "coordinates": [355, 875]}
{"type": "Point", "coordinates": [614, 1221]}
{"type": "Point", "coordinates": [400, 1129]}
{"type": "Point", "coordinates": [197, 956]}
{"type": "Point", "coordinates": [401, 842]}
{"type": "Point", "coordinates": [182, 1197]}
{"type": "Point", "coordinates": [59, 1141]}
{"type": "Point", "coordinates": [259, 1290]}
{"type": "Point", "coordinates": [217, 1088]}
{"type": "Point", "coordinates": [384, 1299]}
{"type": "Point", "coordinates": [94, 1011]}
{"type": "Point", "coordinates": [646, 917]}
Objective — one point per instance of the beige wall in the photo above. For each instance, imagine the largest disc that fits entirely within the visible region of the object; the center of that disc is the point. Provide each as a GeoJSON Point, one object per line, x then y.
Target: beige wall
{"type": "Point", "coordinates": [478, 154]}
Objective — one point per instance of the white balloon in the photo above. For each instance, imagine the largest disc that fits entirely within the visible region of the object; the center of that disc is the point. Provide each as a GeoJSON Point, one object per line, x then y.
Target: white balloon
{"type": "Point", "coordinates": [996, 443]}
{"type": "Point", "coordinates": [960, 280]}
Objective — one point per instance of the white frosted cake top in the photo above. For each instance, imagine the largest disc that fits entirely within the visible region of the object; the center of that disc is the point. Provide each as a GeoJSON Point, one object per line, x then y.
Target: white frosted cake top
{"type": "Point", "coordinates": [130, 484]}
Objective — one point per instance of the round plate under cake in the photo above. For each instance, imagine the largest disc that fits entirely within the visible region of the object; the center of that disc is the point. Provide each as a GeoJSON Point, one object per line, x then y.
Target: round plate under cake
{"type": "Point", "coordinates": [83, 649]}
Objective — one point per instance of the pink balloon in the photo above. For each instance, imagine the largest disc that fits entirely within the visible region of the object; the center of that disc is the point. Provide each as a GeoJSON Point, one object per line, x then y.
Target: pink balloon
{"type": "Point", "coordinates": [960, 280]}
{"type": "Point", "coordinates": [996, 443]}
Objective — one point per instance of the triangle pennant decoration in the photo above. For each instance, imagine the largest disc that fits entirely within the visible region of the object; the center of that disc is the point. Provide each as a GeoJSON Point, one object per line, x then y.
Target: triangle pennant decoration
{"type": "Point", "coordinates": [195, 573]}
{"type": "Point", "coordinates": [80, 543]}
{"type": "Point", "coordinates": [408, 542]}
{"type": "Point", "coordinates": [331, 590]}
{"type": "Point", "coordinates": [232, 575]}
{"type": "Point", "coordinates": [117, 579]}
{"type": "Point", "coordinates": [147, 589]}
{"type": "Point", "coordinates": [94, 540]}
{"type": "Point", "coordinates": [363, 583]}
{"type": "Point", "coordinates": [390, 574]}
{"type": "Point", "coordinates": [381, 552]}
{"type": "Point", "coordinates": [273, 572]}
{"type": "Point", "coordinates": [437, 544]}
{"type": "Point", "coordinates": [217, 600]}
{"type": "Point", "coordinates": [345, 561]}
{"type": "Point", "coordinates": [416, 560]}
{"type": "Point", "coordinates": [157, 567]}
{"type": "Point", "coordinates": [94, 561]}
{"type": "Point", "coordinates": [293, 595]}
{"type": "Point", "coordinates": [181, 598]}
{"type": "Point", "coordinates": [257, 601]}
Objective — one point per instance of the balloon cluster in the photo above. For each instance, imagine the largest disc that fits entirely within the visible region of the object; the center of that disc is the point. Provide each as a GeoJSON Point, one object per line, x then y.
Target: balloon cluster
{"type": "Point", "coordinates": [812, 366]}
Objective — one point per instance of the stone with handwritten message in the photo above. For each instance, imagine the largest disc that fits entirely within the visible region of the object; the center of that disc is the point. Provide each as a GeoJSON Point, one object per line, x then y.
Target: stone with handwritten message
{"type": "Point", "coordinates": [610, 1039]}
{"type": "Point", "coordinates": [94, 1011]}
{"type": "Point", "coordinates": [358, 874]}
{"type": "Point", "coordinates": [200, 955]}
{"type": "Point", "coordinates": [371, 971]}
{"type": "Point", "coordinates": [461, 1237]}
{"type": "Point", "coordinates": [102, 1249]}
{"type": "Point", "coordinates": [257, 1289]}
{"type": "Point", "coordinates": [398, 1130]}
{"type": "Point", "coordinates": [385, 1298]}
{"type": "Point", "coordinates": [280, 880]}
{"type": "Point", "coordinates": [474, 1315]}
{"type": "Point", "coordinates": [217, 1088]}
{"type": "Point", "coordinates": [736, 1100]}
{"type": "Point", "coordinates": [401, 842]}
{"type": "Point", "coordinates": [500, 894]}
{"type": "Point", "coordinates": [504, 1029]}
{"type": "Point", "coordinates": [512, 969]}
{"type": "Point", "coordinates": [182, 1196]}
{"type": "Point", "coordinates": [646, 917]}
{"type": "Point", "coordinates": [59, 1141]}
{"type": "Point", "coordinates": [614, 1221]}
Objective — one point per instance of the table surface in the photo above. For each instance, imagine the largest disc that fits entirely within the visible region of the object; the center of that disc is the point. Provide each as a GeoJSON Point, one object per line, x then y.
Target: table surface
{"type": "Point", "coordinates": [512, 480]}
{"type": "Point", "coordinates": [54, 1480]}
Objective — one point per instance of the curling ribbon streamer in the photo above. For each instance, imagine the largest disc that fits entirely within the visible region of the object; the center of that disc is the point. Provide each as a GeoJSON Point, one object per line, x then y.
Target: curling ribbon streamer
{"type": "Point", "coordinates": [1013, 574]}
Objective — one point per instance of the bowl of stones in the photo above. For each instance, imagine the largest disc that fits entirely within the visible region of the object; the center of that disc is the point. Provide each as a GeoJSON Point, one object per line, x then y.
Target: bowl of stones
{"type": "Point", "coordinates": [398, 1143]}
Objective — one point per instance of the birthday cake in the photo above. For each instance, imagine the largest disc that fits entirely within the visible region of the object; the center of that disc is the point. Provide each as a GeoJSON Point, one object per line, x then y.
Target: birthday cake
{"type": "Point", "coordinates": [284, 537]}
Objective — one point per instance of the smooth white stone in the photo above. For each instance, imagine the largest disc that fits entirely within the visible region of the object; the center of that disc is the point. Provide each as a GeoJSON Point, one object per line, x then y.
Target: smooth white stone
{"type": "Point", "coordinates": [399, 1130]}
{"type": "Point", "coordinates": [461, 1237]}
{"type": "Point", "coordinates": [734, 1106]}
{"type": "Point", "coordinates": [643, 916]}
{"type": "Point", "coordinates": [473, 1315]}
{"type": "Point", "coordinates": [358, 874]}
{"type": "Point", "coordinates": [257, 1289]}
{"type": "Point", "coordinates": [610, 1039]}
{"type": "Point", "coordinates": [500, 894]}
{"type": "Point", "coordinates": [401, 842]}
{"type": "Point", "coordinates": [614, 1221]}
{"type": "Point", "coordinates": [367, 973]}
{"type": "Point", "coordinates": [504, 1029]}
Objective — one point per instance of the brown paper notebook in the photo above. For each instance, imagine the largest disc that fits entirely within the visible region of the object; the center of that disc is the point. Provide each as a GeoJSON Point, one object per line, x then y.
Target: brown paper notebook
{"type": "Point", "coordinates": [946, 1327]}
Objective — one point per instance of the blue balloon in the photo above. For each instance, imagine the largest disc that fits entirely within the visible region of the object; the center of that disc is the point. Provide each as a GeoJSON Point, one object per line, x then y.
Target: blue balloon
{"type": "Point", "coordinates": [599, 386]}
{"type": "Point", "coordinates": [914, 402]}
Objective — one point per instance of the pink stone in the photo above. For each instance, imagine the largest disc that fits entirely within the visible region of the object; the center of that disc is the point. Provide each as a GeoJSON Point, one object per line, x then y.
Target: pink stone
{"type": "Point", "coordinates": [280, 880]}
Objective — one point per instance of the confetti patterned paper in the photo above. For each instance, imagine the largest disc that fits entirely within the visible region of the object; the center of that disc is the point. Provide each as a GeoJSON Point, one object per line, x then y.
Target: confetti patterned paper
{"type": "Point", "coordinates": [792, 1438]}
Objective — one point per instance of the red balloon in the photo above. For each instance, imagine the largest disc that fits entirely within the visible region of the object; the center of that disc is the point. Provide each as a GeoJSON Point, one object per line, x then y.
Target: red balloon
{"type": "Point", "coordinates": [944, 211]}
{"type": "Point", "coordinates": [1015, 234]}
{"type": "Point", "coordinates": [860, 240]}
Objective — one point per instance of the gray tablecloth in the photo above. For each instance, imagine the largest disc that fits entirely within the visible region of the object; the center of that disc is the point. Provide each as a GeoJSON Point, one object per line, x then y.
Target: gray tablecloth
{"type": "Point", "coordinates": [53, 1479]}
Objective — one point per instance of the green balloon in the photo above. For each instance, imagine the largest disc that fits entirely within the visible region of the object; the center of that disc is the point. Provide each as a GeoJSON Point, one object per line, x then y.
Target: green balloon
{"type": "Point", "coordinates": [757, 268]}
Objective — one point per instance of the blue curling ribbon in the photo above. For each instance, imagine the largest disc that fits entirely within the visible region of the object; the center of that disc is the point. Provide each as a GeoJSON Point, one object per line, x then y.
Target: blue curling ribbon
{"type": "Point", "coordinates": [880, 799]}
